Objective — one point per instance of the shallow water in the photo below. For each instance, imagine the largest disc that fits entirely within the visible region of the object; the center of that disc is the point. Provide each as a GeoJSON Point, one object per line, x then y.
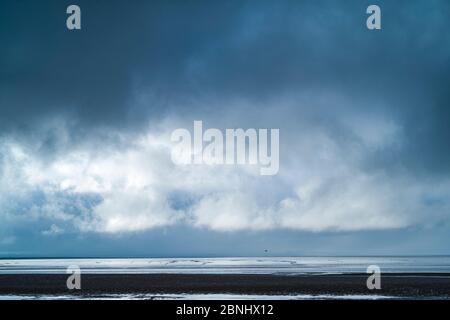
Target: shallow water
{"type": "Point", "coordinates": [253, 265]}
{"type": "Point", "coordinates": [190, 296]}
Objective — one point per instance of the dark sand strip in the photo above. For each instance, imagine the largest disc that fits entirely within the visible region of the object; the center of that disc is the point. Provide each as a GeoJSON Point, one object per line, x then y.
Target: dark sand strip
{"type": "Point", "coordinates": [406, 285]}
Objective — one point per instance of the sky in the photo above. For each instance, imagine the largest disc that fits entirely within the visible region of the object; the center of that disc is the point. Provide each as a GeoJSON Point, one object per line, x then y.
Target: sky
{"type": "Point", "coordinates": [86, 118]}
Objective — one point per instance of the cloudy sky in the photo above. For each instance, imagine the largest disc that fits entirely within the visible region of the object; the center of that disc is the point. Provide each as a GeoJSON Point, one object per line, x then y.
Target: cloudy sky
{"type": "Point", "coordinates": [86, 118]}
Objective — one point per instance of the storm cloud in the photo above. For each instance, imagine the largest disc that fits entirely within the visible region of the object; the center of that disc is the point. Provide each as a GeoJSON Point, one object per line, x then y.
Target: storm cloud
{"type": "Point", "coordinates": [86, 116]}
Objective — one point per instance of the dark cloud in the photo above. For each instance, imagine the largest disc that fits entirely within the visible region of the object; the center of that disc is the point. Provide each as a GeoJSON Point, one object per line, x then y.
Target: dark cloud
{"type": "Point", "coordinates": [137, 61]}
{"type": "Point", "coordinates": [300, 66]}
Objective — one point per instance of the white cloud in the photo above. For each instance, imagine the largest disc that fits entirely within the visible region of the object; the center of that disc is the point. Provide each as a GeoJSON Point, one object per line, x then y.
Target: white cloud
{"type": "Point", "coordinates": [322, 186]}
{"type": "Point", "coordinates": [53, 230]}
{"type": "Point", "coordinates": [229, 211]}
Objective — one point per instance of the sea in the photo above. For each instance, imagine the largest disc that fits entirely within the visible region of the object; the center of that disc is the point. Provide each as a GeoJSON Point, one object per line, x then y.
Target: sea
{"type": "Point", "coordinates": [224, 265]}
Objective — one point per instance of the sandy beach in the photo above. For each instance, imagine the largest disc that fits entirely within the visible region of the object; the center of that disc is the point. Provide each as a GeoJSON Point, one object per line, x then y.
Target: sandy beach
{"type": "Point", "coordinates": [394, 285]}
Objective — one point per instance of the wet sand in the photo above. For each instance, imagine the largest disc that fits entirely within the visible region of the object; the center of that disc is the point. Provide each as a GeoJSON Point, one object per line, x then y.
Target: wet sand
{"type": "Point", "coordinates": [397, 285]}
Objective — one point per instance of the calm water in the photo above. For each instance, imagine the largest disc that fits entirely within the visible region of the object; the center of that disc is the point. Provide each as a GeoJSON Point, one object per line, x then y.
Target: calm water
{"type": "Point", "coordinates": [265, 265]}
{"type": "Point", "coordinates": [200, 297]}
